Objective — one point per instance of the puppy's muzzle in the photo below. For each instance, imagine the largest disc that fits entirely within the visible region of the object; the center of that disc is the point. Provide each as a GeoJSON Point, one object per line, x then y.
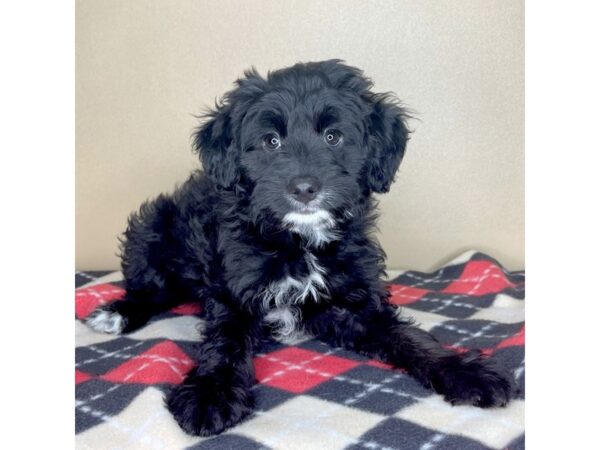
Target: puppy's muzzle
{"type": "Point", "coordinates": [304, 189]}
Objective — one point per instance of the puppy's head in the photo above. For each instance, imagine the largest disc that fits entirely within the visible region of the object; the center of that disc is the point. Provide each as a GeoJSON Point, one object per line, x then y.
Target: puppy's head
{"type": "Point", "coordinates": [306, 144]}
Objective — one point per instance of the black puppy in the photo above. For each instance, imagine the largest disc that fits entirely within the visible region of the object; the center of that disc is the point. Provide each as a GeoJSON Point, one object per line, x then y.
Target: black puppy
{"type": "Point", "coordinates": [274, 240]}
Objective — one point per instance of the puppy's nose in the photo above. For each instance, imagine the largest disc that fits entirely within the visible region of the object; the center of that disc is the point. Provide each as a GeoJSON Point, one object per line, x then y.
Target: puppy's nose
{"type": "Point", "coordinates": [304, 189]}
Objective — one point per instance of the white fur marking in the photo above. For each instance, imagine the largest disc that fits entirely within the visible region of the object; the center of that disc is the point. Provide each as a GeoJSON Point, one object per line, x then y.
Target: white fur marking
{"type": "Point", "coordinates": [292, 291]}
{"type": "Point", "coordinates": [285, 322]}
{"type": "Point", "coordinates": [319, 217]}
{"type": "Point", "coordinates": [106, 322]}
{"type": "Point", "coordinates": [280, 297]}
{"type": "Point", "coordinates": [315, 225]}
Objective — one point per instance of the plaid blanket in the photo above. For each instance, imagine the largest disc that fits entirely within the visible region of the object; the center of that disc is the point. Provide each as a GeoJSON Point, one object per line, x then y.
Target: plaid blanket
{"type": "Point", "coordinates": [309, 395]}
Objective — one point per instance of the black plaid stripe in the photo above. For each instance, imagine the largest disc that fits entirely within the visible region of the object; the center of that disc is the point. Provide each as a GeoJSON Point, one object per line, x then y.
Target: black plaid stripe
{"type": "Point", "coordinates": [398, 434]}
{"type": "Point", "coordinates": [513, 358]}
{"type": "Point", "coordinates": [100, 358]}
{"type": "Point", "coordinates": [321, 347]}
{"type": "Point", "coordinates": [474, 333]}
{"type": "Point", "coordinates": [268, 397]}
{"type": "Point", "coordinates": [97, 401]}
{"type": "Point", "coordinates": [434, 281]}
{"type": "Point", "coordinates": [517, 444]}
{"type": "Point", "coordinates": [82, 278]}
{"type": "Point", "coordinates": [372, 389]}
{"type": "Point", "coordinates": [458, 306]}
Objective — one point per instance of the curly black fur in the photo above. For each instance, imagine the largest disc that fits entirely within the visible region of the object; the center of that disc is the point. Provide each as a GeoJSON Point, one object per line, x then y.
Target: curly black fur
{"type": "Point", "coordinates": [275, 237]}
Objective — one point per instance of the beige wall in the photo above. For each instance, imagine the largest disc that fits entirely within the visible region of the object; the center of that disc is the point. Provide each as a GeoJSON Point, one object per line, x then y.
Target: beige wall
{"type": "Point", "coordinates": [144, 67]}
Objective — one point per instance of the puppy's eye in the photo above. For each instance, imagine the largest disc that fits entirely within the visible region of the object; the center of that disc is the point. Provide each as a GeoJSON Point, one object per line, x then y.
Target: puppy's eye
{"type": "Point", "coordinates": [333, 137]}
{"type": "Point", "coordinates": [271, 141]}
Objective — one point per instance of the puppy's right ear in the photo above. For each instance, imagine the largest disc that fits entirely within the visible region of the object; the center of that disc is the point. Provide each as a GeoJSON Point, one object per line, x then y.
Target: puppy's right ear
{"type": "Point", "coordinates": [213, 141]}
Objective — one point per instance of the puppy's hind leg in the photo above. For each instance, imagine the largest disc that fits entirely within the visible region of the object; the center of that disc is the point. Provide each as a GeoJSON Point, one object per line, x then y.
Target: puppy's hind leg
{"type": "Point", "coordinates": [133, 311]}
{"type": "Point", "coordinates": [152, 272]}
{"type": "Point", "coordinates": [466, 378]}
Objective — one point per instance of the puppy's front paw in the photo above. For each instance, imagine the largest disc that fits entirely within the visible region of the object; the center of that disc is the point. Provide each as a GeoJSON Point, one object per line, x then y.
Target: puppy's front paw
{"type": "Point", "coordinates": [470, 379]}
{"type": "Point", "coordinates": [205, 405]}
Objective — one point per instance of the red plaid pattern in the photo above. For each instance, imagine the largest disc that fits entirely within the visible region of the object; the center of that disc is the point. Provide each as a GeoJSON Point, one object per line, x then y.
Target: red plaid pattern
{"type": "Point", "coordinates": [297, 370]}
{"type": "Point", "coordinates": [405, 295]}
{"type": "Point", "coordinates": [480, 278]}
{"type": "Point", "coordinates": [163, 363]}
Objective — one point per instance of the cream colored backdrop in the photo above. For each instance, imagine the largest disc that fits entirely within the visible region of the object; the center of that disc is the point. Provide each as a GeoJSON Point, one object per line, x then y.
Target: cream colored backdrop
{"type": "Point", "coordinates": [145, 67]}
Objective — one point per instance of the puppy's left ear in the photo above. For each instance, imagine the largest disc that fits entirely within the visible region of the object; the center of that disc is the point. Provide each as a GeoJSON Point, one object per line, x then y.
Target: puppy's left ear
{"type": "Point", "coordinates": [388, 136]}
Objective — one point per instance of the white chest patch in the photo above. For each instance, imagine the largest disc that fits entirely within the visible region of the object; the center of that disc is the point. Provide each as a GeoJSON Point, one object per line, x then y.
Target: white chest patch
{"type": "Point", "coordinates": [290, 291]}
{"type": "Point", "coordinates": [280, 298]}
